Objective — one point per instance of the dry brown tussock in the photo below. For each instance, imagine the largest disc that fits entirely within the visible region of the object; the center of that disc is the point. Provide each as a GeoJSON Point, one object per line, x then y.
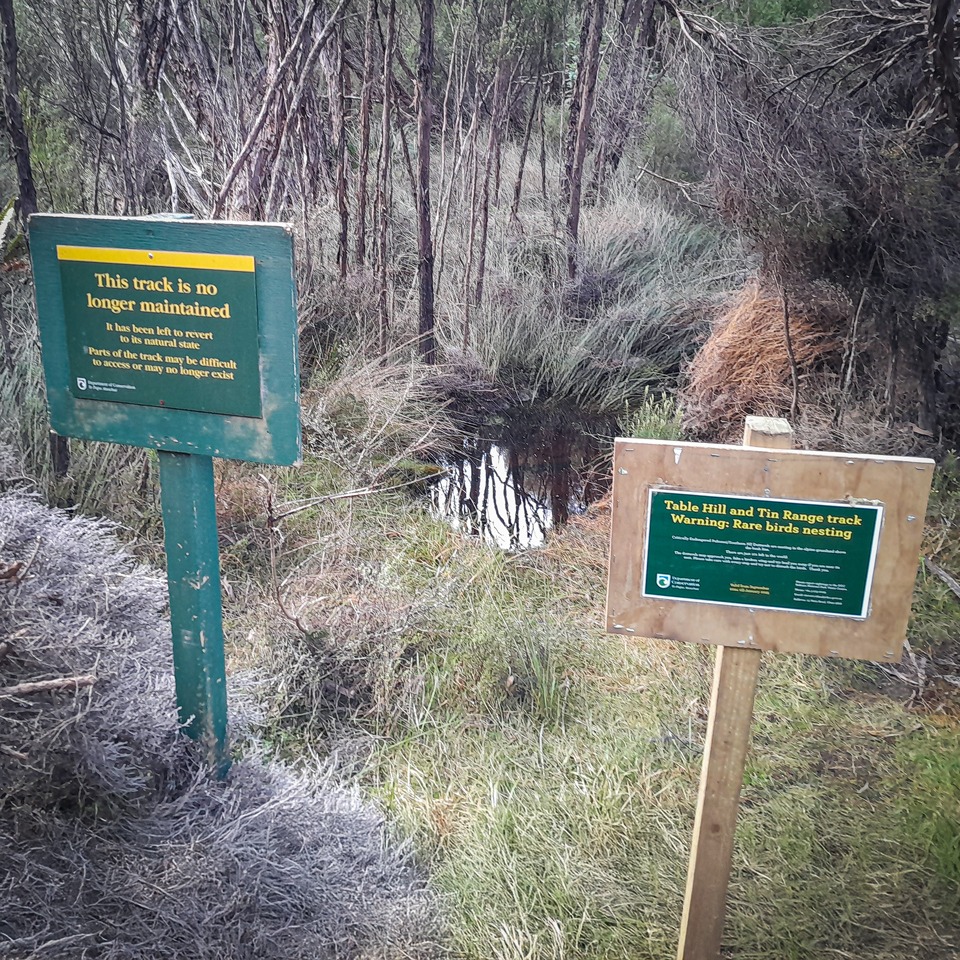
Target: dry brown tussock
{"type": "Point", "coordinates": [744, 368]}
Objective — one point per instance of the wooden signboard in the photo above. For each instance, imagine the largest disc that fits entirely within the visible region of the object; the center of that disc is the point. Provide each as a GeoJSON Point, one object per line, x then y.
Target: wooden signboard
{"type": "Point", "coordinates": [756, 548]}
{"type": "Point", "coordinates": [178, 335]}
{"type": "Point", "coordinates": [766, 549]}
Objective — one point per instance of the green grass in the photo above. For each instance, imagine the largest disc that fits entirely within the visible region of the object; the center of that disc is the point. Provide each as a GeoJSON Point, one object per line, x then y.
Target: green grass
{"type": "Point", "coordinates": [626, 323]}
{"type": "Point", "coordinates": [547, 773]}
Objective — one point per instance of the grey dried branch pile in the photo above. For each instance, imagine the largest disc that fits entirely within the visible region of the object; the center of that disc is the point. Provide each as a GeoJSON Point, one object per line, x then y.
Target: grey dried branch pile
{"type": "Point", "coordinates": [113, 840]}
{"type": "Point", "coordinates": [78, 606]}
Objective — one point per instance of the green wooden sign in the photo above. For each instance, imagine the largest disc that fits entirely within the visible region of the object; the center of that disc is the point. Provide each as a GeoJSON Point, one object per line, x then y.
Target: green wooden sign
{"type": "Point", "coordinates": [180, 336]}
{"type": "Point", "coordinates": [797, 555]}
{"type": "Point", "coordinates": [171, 334]}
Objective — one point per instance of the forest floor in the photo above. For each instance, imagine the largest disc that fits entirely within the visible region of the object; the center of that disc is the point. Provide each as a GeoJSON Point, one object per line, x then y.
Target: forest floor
{"type": "Point", "coordinates": [544, 771]}
{"type": "Point", "coordinates": [547, 772]}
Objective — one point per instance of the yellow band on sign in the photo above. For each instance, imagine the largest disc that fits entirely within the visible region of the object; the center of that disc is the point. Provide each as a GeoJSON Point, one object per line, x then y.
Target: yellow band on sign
{"type": "Point", "coordinates": [157, 258]}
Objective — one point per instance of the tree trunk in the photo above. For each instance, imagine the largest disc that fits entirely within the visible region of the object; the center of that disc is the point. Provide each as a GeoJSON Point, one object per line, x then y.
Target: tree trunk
{"type": "Point", "coordinates": [428, 343]}
{"type": "Point", "coordinates": [493, 150]}
{"type": "Point", "coordinates": [589, 67]}
{"type": "Point", "coordinates": [624, 95]}
{"type": "Point", "coordinates": [27, 201]}
{"type": "Point", "coordinates": [543, 153]}
{"type": "Point", "coordinates": [524, 149]}
{"type": "Point", "coordinates": [366, 93]}
{"type": "Point", "coordinates": [336, 87]}
{"type": "Point", "coordinates": [383, 180]}
{"type": "Point", "coordinates": [13, 115]}
{"type": "Point", "coordinates": [576, 98]}
{"type": "Point", "coordinates": [473, 165]}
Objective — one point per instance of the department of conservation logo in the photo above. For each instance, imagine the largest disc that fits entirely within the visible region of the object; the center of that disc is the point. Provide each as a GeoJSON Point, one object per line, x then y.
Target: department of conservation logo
{"type": "Point", "coordinates": [663, 580]}
{"type": "Point", "coordinates": [81, 383]}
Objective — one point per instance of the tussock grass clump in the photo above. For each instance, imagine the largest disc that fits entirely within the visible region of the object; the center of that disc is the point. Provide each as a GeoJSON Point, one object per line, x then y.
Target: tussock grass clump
{"type": "Point", "coordinates": [639, 303]}
{"type": "Point", "coordinates": [652, 417]}
{"type": "Point", "coordinates": [114, 840]}
{"type": "Point", "coordinates": [367, 418]}
{"type": "Point", "coordinates": [77, 607]}
{"type": "Point", "coordinates": [744, 368]}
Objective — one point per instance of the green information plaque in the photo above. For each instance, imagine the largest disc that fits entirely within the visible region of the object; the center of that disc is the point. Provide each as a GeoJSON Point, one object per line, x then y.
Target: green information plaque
{"type": "Point", "coordinates": [797, 555]}
{"type": "Point", "coordinates": [174, 334]}
{"type": "Point", "coordinates": [162, 328]}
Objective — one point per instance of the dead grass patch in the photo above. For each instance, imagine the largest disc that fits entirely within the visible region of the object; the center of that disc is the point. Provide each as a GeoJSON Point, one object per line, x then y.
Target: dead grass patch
{"type": "Point", "coordinates": [744, 367]}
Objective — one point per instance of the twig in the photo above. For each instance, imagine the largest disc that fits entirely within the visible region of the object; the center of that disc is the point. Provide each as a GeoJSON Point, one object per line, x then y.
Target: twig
{"type": "Point", "coordinates": [23, 478]}
{"type": "Point", "coordinates": [938, 571]}
{"type": "Point", "coordinates": [272, 529]}
{"type": "Point", "coordinates": [684, 188]}
{"type": "Point", "coordinates": [7, 645]}
{"type": "Point", "coordinates": [45, 686]}
{"type": "Point", "coordinates": [12, 572]}
{"type": "Point", "coordinates": [351, 494]}
{"type": "Point", "coordinates": [22, 573]}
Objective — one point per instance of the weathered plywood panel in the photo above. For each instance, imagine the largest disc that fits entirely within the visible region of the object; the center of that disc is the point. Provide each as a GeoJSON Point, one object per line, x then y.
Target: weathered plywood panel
{"type": "Point", "coordinates": [900, 484]}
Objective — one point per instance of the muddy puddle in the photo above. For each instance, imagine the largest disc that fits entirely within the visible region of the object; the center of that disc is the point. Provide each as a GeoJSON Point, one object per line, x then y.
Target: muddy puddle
{"type": "Point", "coordinates": [524, 473]}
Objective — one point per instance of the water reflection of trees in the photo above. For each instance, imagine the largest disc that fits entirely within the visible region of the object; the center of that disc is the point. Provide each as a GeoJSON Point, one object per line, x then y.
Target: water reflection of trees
{"type": "Point", "coordinates": [512, 485]}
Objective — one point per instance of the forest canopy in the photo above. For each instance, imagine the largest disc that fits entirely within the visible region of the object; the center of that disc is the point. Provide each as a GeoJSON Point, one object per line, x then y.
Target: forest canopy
{"type": "Point", "coordinates": [406, 139]}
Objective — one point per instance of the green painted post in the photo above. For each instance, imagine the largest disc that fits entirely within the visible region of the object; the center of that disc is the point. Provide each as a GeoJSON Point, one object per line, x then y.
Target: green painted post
{"type": "Point", "coordinates": [196, 616]}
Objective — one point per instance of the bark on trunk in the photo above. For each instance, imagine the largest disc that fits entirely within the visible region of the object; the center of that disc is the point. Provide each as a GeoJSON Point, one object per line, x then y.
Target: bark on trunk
{"type": "Point", "coordinates": [340, 126]}
{"type": "Point", "coordinates": [27, 201]}
{"type": "Point", "coordinates": [366, 94]}
{"type": "Point", "coordinates": [576, 98]}
{"type": "Point", "coordinates": [625, 95]}
{"type": "Point", "coordinates": [493, 150]}
{"type": "Point", "coordinates": [525, 147]}
{"type": "Point", "coordinates": [428, 344]}
{"type": "Point", "coordinates": [13, 114]}
{"type": "Point", "coordinates": [590, 67]}
{"type": "Point", "coordinates": [383, 181]}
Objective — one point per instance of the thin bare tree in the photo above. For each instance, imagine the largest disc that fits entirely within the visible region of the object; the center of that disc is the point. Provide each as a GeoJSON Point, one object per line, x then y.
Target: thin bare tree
{"type": "Point", "coordinates": [383, 180]}
{"type": "Point", "coordinates": [579, 132]}
{"type": "Point", "coordinates": [424, 88]}
{"type": "Point", "coordinates": [366, 95]}
{"type": "Point", "coordinates": [27, 198]}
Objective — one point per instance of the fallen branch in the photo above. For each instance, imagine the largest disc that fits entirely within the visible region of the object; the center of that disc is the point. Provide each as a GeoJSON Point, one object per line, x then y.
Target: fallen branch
{"type": "Point", "coordinates": [938, 571]}
{"type": "Point", "coordinates": [350, 495]}
{"type": "Point", "coordinates": [45, 686]}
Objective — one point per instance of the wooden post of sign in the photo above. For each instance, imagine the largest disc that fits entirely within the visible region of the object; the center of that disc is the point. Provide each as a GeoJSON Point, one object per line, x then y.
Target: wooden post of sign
{"type": "Point", "coordinates": [721, 777]}
{"type": "Point", "coordinates": [196, 615]}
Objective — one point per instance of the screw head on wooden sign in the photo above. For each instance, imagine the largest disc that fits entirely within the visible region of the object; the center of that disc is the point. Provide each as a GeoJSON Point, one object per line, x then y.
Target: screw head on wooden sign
{"type": "Point", "coordinates": [173, 334]}
{"type": "Point", "coordinates": [769, 549]}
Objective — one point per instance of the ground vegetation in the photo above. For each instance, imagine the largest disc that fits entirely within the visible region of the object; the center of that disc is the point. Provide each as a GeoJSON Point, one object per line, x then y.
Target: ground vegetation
{"type": "Point", "coordinates": [672, 214]}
